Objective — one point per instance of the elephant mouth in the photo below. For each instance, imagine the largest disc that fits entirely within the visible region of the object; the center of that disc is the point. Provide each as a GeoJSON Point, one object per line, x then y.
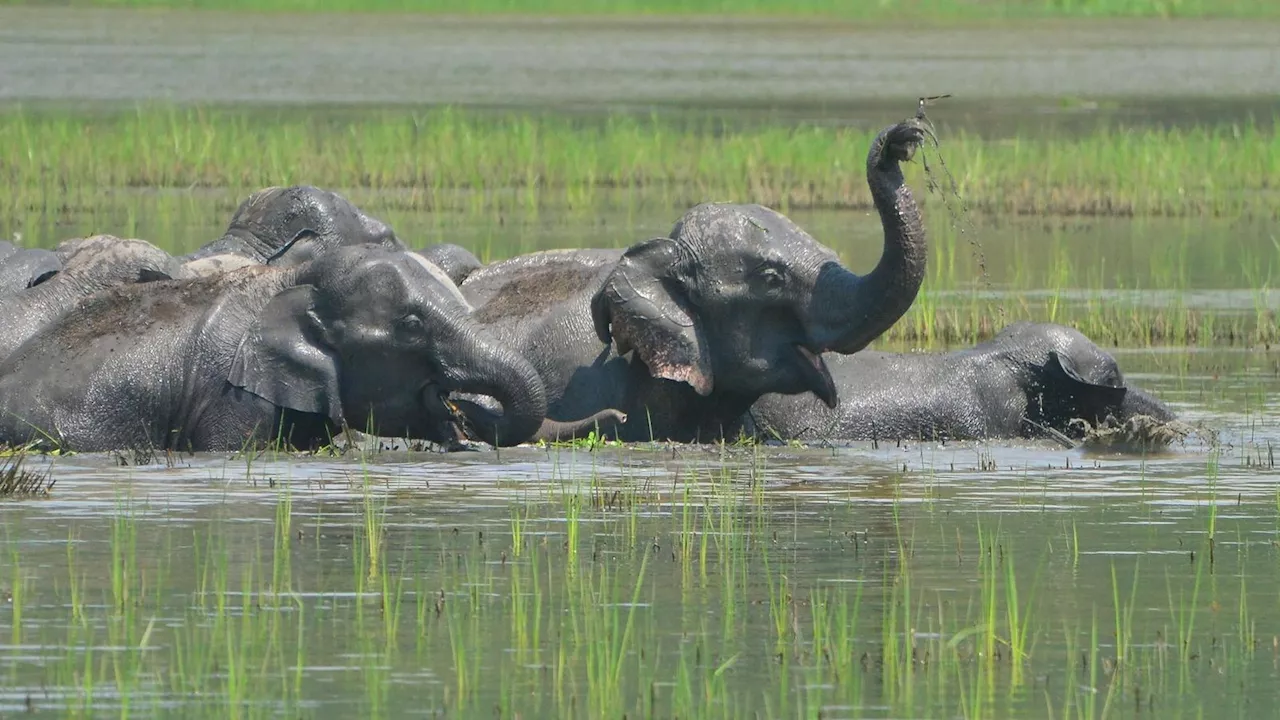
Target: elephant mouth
{"type": "Point", "coordinates": [817, 376]}
{"type": "Point", "coordinates": [446, 418]}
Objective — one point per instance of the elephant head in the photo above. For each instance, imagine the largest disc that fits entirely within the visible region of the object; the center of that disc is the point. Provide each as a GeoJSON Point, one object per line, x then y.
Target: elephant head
{"type": "Point", "coordinates": [101, 261]}
{"type": "Point", "coordinates": [1069, 377]}
{"type": "Point", "coordinates": [738, 300]}
{"type": "Point", "coordinates": [292, 225]}
{"type": "Point", "coordinates": [21, 268]}
{"type": "Point", "coordinates": [368, 336]}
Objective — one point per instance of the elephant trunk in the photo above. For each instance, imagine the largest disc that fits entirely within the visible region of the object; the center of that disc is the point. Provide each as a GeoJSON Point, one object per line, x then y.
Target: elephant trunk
{"type": "Point", "coordinates": [848, 311]}
{"type": "Point", "coordinates": [486, 367]}
{"type": "Point", "coordinates": [1136, 402]}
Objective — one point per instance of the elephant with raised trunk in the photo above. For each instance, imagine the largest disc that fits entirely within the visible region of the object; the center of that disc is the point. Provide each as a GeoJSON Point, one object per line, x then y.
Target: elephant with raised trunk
{"type": "Point", "coordinates": [362, 337]}
{"type": "Point", "coordinates": [91, 265]}
{"type": "Point", "coordinates": [1029, 381]}
{"type": "Point", "coordinates": [291, 225]}
{"type": "Point", "coordinates": [683, 333]}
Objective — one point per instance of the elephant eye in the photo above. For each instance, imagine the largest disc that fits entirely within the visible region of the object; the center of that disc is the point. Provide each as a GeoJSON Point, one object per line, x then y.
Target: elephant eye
{"type": "Point", "coordinates": [409, 327]}
{"type": "Point", "coordinates": [771, 276]}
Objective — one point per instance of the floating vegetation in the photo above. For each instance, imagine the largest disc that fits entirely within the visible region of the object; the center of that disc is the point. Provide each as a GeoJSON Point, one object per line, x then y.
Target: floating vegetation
{"type": "Point", "coordinates": [1138, 435]}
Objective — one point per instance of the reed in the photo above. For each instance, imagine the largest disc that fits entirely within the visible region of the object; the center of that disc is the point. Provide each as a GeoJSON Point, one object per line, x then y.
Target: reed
{"type": "Point", "coordinates": [450, 160]}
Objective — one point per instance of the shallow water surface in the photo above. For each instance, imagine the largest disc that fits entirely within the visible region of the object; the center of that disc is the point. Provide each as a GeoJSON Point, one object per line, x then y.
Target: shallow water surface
{"type": "Point", "coordinates": [912, 580]}
{"type": "Point", "coordinates": [1006, 78]}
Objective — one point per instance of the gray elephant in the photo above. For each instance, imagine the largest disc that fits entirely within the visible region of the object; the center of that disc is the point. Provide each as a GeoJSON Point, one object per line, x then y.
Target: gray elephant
{"type": "Point", "coordinates": [362, 337]}
{"type": "Point", "coordinates": [456, 261]}
{"type": "Point", "coordinates": [1029, 381]}
{"type": "Point", "coordinates": [291, 225]}
{"type": "Point", "coordinates": [92, 264]}
{"type": "Point", "coordinates": [683, 333]}
{"type": "Point", "coordinates": [21, 268]}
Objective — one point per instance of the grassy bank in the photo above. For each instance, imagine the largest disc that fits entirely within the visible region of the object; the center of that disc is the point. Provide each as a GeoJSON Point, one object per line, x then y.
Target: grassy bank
{"type": "Point", "coordinates": [844, 9]}
{"type": "Point", "coordinates": [528, 162]}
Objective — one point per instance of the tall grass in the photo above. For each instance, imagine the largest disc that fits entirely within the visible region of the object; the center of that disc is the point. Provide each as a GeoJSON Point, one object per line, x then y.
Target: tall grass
{"type": "Point", "coordinates": [846, 9]}
{"type": "Point", "coordinates": [462, 161]}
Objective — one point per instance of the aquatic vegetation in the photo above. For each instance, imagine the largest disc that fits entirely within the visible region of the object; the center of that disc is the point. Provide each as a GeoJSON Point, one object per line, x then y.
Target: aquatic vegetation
{"type": "Point", "coordinates": [699, 595]}
{"type": "Point", "coordinates": [436, 160]}
{"type": "Point", "coordinates": [18, 481]}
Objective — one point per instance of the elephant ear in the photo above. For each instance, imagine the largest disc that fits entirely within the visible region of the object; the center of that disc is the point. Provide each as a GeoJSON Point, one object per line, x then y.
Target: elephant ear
{"type": "Point", "coordinates": [641, 307]}
{"type": "Point", "coordinates": [1062, 370]}
{"type": "Point", "coordinates": [302, 248]}
{"type": "Point", "coordinates": [284, 360]}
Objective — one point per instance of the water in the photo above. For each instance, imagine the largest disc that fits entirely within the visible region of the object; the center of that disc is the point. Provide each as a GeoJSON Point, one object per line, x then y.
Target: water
{"type": "Point", "coordinates": [667, 580]}
{"type": "Point", "coordinates": [1005, 79]}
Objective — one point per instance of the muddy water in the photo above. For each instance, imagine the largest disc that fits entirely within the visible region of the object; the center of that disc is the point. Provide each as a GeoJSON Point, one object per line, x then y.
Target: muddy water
{"type": "Point", "coordinates": [1004, 78]}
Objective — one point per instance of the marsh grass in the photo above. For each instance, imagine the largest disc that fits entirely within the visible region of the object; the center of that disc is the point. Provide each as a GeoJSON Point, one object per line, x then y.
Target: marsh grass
{"type": "Point", "coordinates": [482, 163]}
{"type": "Point", "coordinates": [863, 10]}
{"type": "Point", "coordinates": [18, 481]}
{"type": "Point", "coordinates": [504, 184]}
{"type": "Point", "coordinates": [698, 597]}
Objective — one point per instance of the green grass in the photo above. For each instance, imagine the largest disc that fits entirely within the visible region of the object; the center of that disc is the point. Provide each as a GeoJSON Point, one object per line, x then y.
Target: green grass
{"type": "Point", "coordinates": [844, 9]}
{"type": "Point", "coordinates": [504, 184]}
{"type": "Point", "coordinates": [279, 605]}
{"type": "Point", "coordinates": [436, 160]}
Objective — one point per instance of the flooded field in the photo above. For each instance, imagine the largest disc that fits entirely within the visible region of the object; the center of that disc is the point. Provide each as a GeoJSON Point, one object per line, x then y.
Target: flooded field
{"type": "Point", "coordinates": [832, 580]}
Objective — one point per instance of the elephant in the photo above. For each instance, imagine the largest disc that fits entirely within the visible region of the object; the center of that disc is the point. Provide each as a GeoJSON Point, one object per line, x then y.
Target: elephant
{"type": "Point", "coordinates": [92, 264]}
{"type": "Point", "coordinates": [363, 337]}
{"type": "Point", "coordinates": [456, 261]}
{"type": "Point", "coordinates": [683, 333]}
{"type": "Point", "coordinates": [21, 268]}
{"type": "Point", "coordinates": [290, 225]}
{"type": "Point", "coordinates": [1029, 381]}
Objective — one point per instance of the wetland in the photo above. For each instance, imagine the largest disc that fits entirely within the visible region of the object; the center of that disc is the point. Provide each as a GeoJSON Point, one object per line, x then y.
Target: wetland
{"type": "Point", "coordinates": [589, 579]}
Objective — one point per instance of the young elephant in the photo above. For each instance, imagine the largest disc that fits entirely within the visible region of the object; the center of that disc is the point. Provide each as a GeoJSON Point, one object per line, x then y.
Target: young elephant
{"type": "Point", "coordinates": [684, 332]}
{"type": "Point", "coordinates": [1027, 381]}
{"type": "Point", "coordinates": [363, 336]}
{"type": "Point", "coordinates": [92, 264]}
{"type": "Point", "coordinates": [21, 268]}
{"type": "Point", "coordinates": [291, 225]}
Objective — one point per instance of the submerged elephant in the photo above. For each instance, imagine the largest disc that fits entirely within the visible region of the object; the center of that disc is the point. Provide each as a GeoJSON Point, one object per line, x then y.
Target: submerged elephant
{"type": "Point", "coordinates": [21, 268]}
{"type": "Point", "coordinates": [683, 333]}
{"type": "Point", "coordinates": [290, 225]}
{"type": "Point", "coordinates": [456, 261]}
{"type": "Point", "coordinates": [364, 337]}
{"type": "Point", "coordinates": [1029, 381]}
{"type": "Point", "coordinates": [92, 264]}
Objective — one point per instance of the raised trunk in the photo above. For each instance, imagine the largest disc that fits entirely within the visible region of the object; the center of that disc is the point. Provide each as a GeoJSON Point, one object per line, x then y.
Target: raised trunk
{"type": "Point", "coordinates": [481, 366]}
{"type": "Point", "coordinates": [850, 311]}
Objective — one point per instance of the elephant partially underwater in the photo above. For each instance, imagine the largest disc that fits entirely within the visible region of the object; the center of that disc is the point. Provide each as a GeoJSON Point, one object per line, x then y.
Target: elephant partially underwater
{"type": "Point", "coordinates": [289, 226]}
{"type": "Point", "coordinates": [1030, 381]}
{"type": "Point", "coordinates": [21, 268]}
{"type": "Point", "coordinates": [362, 337]}
{"type": "Point", "coordinates": [91, 265]}
{"type": "Point", "coordinates": [683, 333]}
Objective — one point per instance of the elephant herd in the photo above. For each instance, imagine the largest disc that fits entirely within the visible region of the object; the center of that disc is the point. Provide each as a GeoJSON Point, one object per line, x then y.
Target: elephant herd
{"type": "Point", "coordinates": [308, 317]}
